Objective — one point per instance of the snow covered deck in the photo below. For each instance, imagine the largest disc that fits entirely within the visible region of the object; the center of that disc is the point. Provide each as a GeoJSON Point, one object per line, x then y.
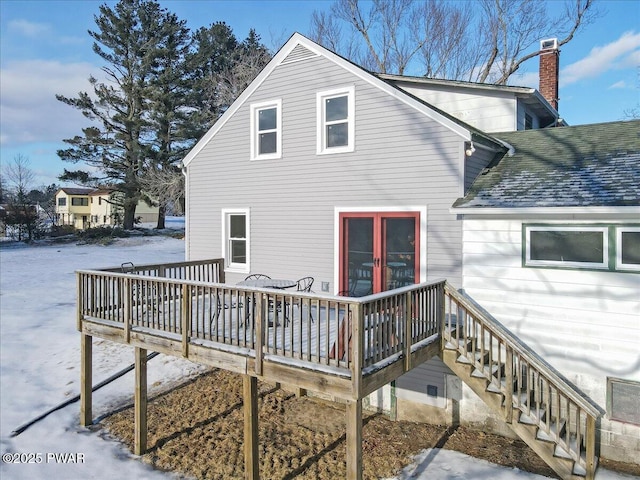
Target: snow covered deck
{"type": "Point", "coordinates": [345, 347]}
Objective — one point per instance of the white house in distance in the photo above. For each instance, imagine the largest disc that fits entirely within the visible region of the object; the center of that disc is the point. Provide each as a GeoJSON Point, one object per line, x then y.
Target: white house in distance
{"type": "Point", "coordinates": [321, 168]}
{"type": "Point", "coordinates": [96, 207]}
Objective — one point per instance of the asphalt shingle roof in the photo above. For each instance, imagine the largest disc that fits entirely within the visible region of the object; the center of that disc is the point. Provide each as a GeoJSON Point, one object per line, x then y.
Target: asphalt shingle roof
{"type": "Point", "coordinates": [77, 190]}
{"type": "Point", "coordinates": [583, 165]}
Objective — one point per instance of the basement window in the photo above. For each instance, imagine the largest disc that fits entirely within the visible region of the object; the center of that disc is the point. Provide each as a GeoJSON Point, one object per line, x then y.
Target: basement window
{"type": "Point", "coordinates": [623, 400]}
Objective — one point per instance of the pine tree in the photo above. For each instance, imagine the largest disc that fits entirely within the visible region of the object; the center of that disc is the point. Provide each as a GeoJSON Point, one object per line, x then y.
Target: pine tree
{"type": "Point", "coordinates": [127, 39]}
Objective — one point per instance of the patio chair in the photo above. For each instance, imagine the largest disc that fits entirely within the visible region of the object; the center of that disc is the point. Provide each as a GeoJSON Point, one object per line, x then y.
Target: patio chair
{"type": "Point", "coordinates": [145, 298]}
{"type": "Point", "coordinates": [257, 276]}
{"type": "Point", "coordinates": [253, 276]}
{"type": "Point", "coordinates": [303, 285]}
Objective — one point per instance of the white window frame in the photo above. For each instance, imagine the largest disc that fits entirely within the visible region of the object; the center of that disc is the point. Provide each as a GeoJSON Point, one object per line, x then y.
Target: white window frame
{"type": "Point", "coordinates": [322, 148]}
{"type": "Point", "coordinates": [604, 265]}
{"type": "Point", "coordinates": [226, 253]}
{"type": "Point", "coordinates": [619, 265]}
{"type": "Point", "coordinates": [255, 134]}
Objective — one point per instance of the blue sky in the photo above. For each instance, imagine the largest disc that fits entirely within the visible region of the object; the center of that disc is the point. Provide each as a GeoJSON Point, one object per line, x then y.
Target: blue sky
{"type": "Point", "coordinates": [45, 49]}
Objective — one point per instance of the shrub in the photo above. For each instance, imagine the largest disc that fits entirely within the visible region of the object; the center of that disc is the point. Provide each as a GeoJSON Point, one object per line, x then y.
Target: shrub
{"type": "Point", "coordinates": [102, 234]}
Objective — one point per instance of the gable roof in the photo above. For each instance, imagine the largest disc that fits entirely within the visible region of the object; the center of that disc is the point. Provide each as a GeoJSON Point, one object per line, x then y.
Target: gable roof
{"type": "Point", "coordinates": [595, 165]}
{"type": "Point", "coordinates": [75, 190]}
{"type": "Point", "coordinates": [297, 48]}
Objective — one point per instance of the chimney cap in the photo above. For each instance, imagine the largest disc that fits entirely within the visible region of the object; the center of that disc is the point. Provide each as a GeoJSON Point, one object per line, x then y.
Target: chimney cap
{"type": "Point", "coordinates": [549, 44]}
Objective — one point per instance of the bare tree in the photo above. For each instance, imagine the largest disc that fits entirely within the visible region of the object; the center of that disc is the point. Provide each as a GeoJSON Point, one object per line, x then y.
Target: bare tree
{"type": "Point", "coordinates": [21, 213]}
{"type": "Point", "coordinates": [511, 27]}
{"type": "Point", "coordinates": [166, 185]}
{"type": "Point", "coordinates": [485, 41]}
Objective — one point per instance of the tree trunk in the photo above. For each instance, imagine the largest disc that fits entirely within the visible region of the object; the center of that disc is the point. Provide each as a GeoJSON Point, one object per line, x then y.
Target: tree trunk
{"type": "Point", "coordinates": [162, 211]}
{"type": "Point", "coordinates": [129, 216]}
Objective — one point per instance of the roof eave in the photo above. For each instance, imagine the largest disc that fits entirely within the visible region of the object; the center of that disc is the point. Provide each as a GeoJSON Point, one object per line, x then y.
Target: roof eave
{"type": "Point", "coordinates": [597, 210]}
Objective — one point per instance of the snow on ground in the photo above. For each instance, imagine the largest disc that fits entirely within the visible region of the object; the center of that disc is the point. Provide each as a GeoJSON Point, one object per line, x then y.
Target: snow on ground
{"type": "Point", "coordinates": [39, 369]}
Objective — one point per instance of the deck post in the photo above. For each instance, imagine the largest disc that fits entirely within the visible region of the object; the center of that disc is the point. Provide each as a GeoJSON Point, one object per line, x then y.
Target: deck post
{"type": "Point", "coordinates": [408, 334]}
{"type": "Point", "coordinates": [186, 319]}
{"type": "Point", "coordinates": [140, 401]}
{"type": "Point", "coordinates": [86, 380]}
{"type": "Point", "coordinates": [358, 348]}
{"type": "Point", "coordinates": [508, 377]}
{"type": "Point", "coordinates": [251, 440]}
{"type": "Point", "coordinates": [354, 439]}
{"type": "Point", "coordinates": [590, 452]}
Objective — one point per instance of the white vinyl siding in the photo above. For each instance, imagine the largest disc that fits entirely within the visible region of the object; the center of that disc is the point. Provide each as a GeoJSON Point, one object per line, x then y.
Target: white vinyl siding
{"type": "Point", "coordinates": [561, 314]}
{"type": "Point", "coordinates": [488, 111]}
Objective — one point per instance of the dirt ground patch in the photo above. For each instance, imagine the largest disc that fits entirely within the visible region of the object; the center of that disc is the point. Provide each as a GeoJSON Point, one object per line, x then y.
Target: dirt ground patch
{"type": "Point", "coordinates": [196, 430]}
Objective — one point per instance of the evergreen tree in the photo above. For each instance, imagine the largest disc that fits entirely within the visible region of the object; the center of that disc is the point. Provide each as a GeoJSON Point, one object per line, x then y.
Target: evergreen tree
{"type": "Point", "coordinates": [127, 39]}
{"type": "Point", "coordinates": [170, 115]}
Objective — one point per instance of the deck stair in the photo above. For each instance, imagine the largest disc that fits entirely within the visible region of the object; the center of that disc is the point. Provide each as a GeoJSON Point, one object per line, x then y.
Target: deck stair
{"type": "Point", "coordinates": [543, 408]}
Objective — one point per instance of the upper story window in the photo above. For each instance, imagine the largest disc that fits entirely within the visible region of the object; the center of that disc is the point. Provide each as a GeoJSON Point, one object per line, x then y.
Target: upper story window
{"type": "Point", "coordinates": [62, 202]}
{"type": "Point", "coordinates": [528, 121]}
{"type": "Point", "coordinates": [266, 130]}
{"type": "Point", "coordinates": [628, 248]}
{"type": "Point", "coordinates": [336, 125]}
{"type": "Point", "coordinates": [236, 239]}
{"type": "Point", "coordinates": [79, 202]}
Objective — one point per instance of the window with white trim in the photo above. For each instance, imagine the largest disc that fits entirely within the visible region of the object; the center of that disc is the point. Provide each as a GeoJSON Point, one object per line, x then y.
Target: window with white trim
{"type": "Point", "coordinates": [628, 248]}
{"type": "Point", "coordinates": [336, 125]}
{"type": "Point", "coordinates": [235, 236]}
{"type": "Point", "coordinates": [567, 246]}
{"type": "Point", "coordinates": [266, 130]}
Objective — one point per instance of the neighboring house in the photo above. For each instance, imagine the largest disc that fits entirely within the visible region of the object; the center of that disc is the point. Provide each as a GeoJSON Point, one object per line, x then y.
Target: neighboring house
{"type": "Point", "coordinates": [73, 208]}
{"type": "Point", "coordinates": [88, 208]}
{"type": "Point", "coordinates": [321, 168]}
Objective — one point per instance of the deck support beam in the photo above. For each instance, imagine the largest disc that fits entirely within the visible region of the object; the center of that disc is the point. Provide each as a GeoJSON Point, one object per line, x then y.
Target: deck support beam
{"type": "Point", "coordinates": [140, 402]}
{"type": "Point", "coordinates": [86, 348]}
{"type": "Point", "coordinates": [354, 439]}
{"type": "Point", "coordinates": [251, 440]}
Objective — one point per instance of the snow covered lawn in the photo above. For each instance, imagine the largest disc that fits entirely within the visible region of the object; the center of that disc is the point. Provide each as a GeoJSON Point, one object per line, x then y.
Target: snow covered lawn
{"type": "Point", "coordinates": [39, 369]}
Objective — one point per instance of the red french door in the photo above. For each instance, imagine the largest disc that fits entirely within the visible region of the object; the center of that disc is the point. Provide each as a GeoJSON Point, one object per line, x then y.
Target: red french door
{"type": "Point", "coordinates": [378, 251]}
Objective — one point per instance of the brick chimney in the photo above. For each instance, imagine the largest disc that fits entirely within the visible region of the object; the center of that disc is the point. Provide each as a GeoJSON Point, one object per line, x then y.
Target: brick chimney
{"type": "Point", "coordinates": [549, 70]}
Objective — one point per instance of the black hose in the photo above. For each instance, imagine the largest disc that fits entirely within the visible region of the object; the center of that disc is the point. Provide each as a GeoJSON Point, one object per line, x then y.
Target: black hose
{"type": "Point", "coordinates": [98, 386]}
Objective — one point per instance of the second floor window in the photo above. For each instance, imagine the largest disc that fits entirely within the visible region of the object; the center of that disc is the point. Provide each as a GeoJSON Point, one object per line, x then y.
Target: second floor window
{"type": "Point", "coordinates": [266, 130]}
{"type": "Point", "coordinates": [336, 121]}
{"type": "Point", "coordinates": [79, 202]}
{"type": "Point", "coordinates": [62, 202]}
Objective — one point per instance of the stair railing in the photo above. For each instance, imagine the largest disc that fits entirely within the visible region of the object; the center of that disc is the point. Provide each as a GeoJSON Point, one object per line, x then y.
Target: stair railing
{"type": "Point", "coordinates": [539, 394]}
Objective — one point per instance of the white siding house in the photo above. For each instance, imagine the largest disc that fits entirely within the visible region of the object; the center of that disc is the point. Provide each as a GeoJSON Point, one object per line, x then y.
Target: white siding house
{"type": "Point", "coordinates": [551, 248]}
{"type": "Point", "coordinates": [321, 168]}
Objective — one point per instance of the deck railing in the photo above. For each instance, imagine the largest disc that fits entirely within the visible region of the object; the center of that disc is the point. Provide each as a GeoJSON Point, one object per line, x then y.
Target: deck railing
{"type": "Point", "coordinates": [190, 302]}
{"type": "Point", "coordinates": [530, 385]}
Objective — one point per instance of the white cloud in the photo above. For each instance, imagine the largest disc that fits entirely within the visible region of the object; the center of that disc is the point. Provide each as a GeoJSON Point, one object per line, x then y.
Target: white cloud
{"type": "Point", "coordinates": [27, 28]}
{"type": "Point", "coordinates": [30, 111]}
{"type": "Point", "coordinates": [618, 54]}
{"type": "Point", "coordinates": [620, 84]}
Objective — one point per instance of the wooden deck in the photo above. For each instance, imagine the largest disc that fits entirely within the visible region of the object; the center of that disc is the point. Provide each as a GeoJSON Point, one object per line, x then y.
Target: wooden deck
{"type": "Point", "coordinates": [187, 310]}
{"type": "Point", "coordinates": [340, 346]}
